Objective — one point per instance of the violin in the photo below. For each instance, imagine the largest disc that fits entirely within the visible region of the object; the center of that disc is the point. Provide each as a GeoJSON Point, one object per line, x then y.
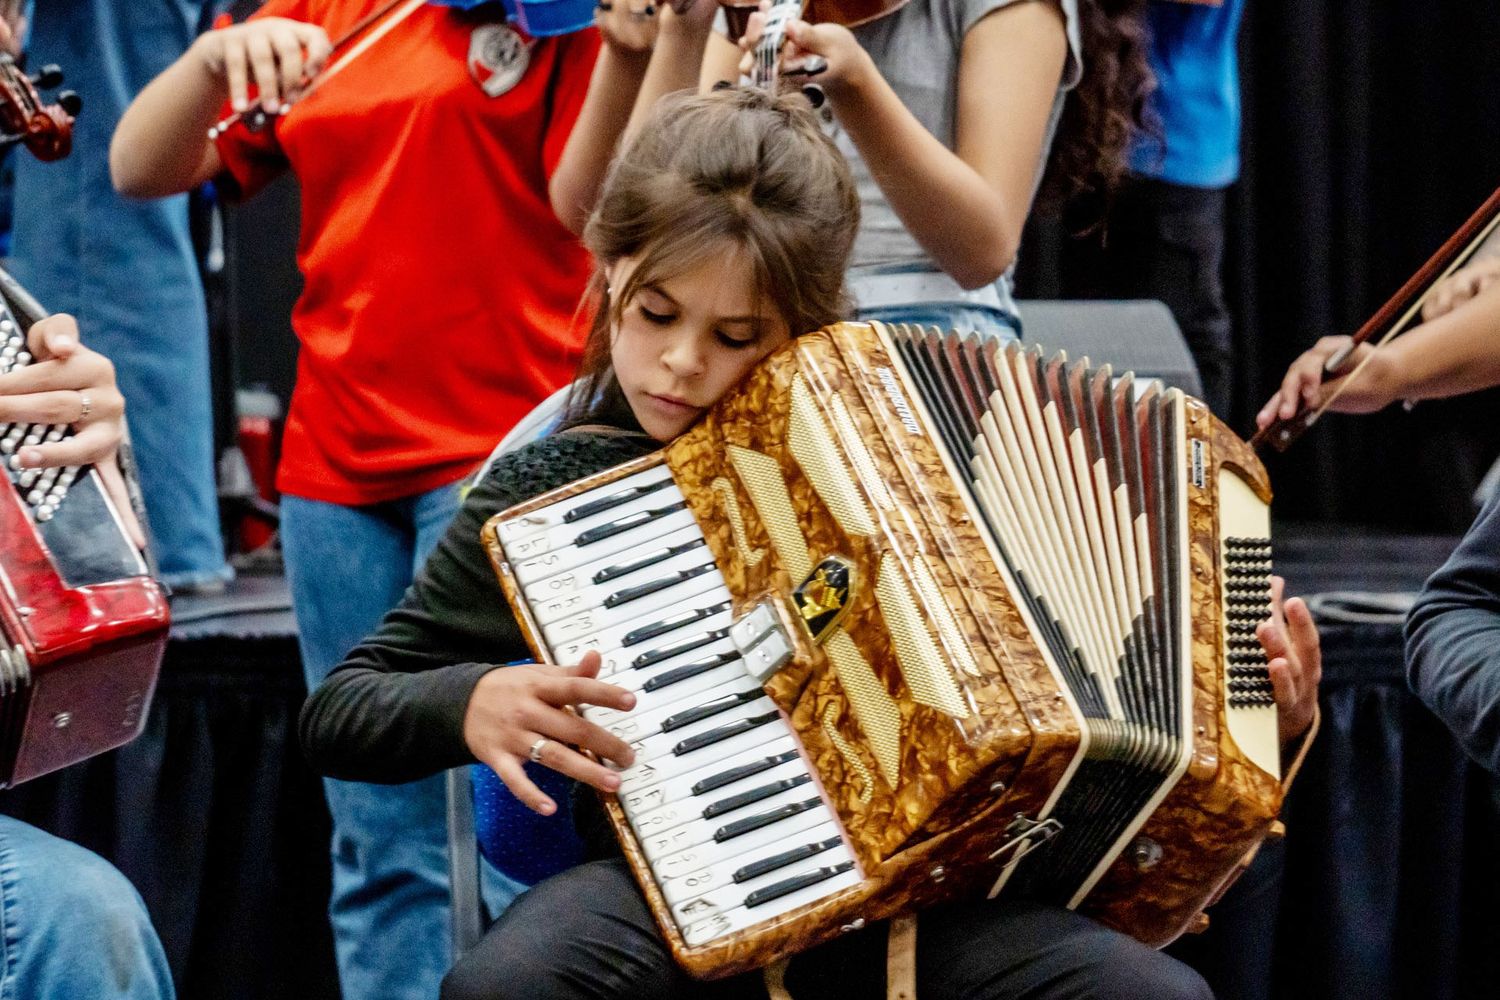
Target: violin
{"type": "Point", "coordinates": [45, 129]}
{"type": "Point", "coordinates": [849, 13]}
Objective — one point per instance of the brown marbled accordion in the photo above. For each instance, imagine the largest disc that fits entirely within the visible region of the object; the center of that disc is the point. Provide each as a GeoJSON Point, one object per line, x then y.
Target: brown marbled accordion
{"type": "Point", "coordinates": [962, 716]}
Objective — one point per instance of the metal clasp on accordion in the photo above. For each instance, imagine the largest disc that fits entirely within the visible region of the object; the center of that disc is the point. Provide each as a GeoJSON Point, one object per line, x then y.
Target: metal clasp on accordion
{"type": "Point", "coordinates": [762, 641]}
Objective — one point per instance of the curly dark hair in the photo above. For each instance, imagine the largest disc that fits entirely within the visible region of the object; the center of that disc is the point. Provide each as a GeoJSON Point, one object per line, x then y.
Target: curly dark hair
{"type": "Point", "coordinates": [1107, 107]}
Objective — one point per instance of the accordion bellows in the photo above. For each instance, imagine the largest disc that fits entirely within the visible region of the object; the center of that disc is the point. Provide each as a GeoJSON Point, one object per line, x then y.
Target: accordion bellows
{"type": "Point", "coordinates": [1015, 600]}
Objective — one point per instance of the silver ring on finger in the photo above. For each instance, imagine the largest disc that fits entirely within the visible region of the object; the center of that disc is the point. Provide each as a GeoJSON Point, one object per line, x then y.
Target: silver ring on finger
{"type": "Point", "coordinates": [86, 406]}
{"type": "Point", "coordinates": [535, 753]}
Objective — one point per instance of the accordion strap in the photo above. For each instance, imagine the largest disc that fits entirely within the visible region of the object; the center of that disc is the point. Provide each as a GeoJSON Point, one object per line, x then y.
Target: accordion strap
{"type": "Point", "coordinates": [900, 965]}
{"type": "Point", "coordinates": [901, 960]}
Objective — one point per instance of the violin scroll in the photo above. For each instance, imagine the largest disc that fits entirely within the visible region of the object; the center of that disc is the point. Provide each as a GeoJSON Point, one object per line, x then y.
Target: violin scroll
{"type": "Point", "coordinates": [45, 129]}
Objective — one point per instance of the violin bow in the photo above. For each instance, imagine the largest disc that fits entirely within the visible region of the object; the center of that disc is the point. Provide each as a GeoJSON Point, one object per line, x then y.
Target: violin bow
{"type": "Point", "coordinates": [1393, 318]}
{"type": "Point", "coordinates": [406, 9]}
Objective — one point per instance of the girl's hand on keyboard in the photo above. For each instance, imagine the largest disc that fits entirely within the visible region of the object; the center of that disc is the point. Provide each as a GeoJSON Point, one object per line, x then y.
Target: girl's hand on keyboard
{"type": "Point", "coordinates": [519, 713]}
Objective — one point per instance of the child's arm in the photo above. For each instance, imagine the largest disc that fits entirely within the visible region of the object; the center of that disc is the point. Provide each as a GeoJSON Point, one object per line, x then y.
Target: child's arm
{"type": "Point", "coordinates": [641, 60]}
{"type": "Point", "coordinates": [965, 207]}
{"type": "Point", "coordinates": [161, 145]}
{"type": "Point", "coordinates": [616, 80]}
{"type": "Point", "coordinates": [1456, 353]}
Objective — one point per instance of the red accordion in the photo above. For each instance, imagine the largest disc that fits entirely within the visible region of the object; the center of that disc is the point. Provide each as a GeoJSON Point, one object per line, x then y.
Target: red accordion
{"type": "Point", "coordinates": [82, 623]}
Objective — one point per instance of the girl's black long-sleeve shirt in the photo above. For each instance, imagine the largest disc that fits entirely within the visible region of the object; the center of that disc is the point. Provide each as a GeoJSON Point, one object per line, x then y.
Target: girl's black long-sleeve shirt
{"type": "Point", "coordinates": [393, 710]}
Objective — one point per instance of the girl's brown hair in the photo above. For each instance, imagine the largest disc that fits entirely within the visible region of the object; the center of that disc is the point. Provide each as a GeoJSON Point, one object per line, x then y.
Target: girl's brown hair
{"type": "Point", "coordinates": [737, 167]}
{"type": "Point", "coordinates": [1107, 107]}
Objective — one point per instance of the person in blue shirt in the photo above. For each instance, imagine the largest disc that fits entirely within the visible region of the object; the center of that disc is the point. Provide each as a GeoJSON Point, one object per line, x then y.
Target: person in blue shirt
{"type": "Point", "coordinates": [1163, 236]}
{"type": "Point", "coordinates": [127, 270]}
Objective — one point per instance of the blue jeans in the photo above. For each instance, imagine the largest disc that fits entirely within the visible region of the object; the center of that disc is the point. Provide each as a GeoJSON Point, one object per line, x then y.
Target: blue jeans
{"type": "Point", "coordinates": [348, 566]}
{"type": "Point", "coordinates": [71, 926]}
{"type": "Point", "coordinates": [127, 269]}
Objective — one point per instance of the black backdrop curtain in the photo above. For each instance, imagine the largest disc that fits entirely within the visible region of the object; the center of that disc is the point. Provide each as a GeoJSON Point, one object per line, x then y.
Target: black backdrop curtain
{"type": "Point", "coordinates": [1371, 132]}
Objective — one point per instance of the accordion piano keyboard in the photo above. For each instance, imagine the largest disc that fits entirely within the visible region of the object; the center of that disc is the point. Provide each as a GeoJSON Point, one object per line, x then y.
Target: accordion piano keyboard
{"type": "Point", "coordinates": [725, 806]}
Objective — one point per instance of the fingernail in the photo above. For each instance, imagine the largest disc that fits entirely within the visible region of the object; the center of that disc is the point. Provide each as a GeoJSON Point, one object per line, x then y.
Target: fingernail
{"type": "Point", "coordinates": [612, 782]}
{"type": "Point", "coordinates": [30, 458]}
{"type": "Point", "coordinates": [628, 702]}
{"type": "Point", "coordinates": [240, 104]}
{"type": "Point", "coordinates": [283, 109]}
{"type": "Point", "coordinates": [546, 808]}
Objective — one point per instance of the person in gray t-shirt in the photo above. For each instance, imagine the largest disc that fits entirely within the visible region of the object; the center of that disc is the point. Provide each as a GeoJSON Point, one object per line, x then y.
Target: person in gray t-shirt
{"type": "Point", "coordinates": [946, 108]}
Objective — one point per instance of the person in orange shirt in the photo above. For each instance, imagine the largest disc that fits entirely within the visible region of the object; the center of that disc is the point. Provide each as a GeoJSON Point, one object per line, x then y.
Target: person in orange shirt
{"type": "Point", "coordinates": [437, 309]}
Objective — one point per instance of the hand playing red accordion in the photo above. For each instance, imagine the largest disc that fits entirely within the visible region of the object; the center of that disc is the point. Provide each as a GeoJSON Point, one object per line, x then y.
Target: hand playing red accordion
{"type": "Point", "coordinates": [67, 383]}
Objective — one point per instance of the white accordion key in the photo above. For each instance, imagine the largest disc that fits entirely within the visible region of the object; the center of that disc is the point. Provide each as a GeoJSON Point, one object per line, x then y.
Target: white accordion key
{"type": "Point", "coordinates": [666, 639]}
{"type": "Point", "coordinates": [711, 775]}
{"type": "Point", "coordinates": [685, 849]}
{"type": "Point", "coordinates": [704, 589]}
{"type": "Point", "coordinates": [538, 592]}
{"type": "Point", "coordinates": [617, 588]}
{"type": "Point", "coordinates": [818, 848]}
{"type": "Point", "coordinates": [712, 810]}
{"type": "Point", "coordinates": [583, 510]}
{"type": "Point", "coordinates": [822, 841]}
{"type": "Point", "coordinates": [651, 714]}
{"type": "Point", "coordinates": [595, 551]}
{"type": "Point", "coordinates": [797, 889]}
{"type": "Point", "coordinates": [643, 774]}
{"type": "Point", "coordinates": [744, 713]}
{"type": "Point", "coordinates": [695, 670]}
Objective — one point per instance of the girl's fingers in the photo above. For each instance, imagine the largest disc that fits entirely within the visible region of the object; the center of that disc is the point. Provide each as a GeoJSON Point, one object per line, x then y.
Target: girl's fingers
{"type": "Point", "coordinates": [58, 407]}
{"type": "Point", "coordinates": [236, 73]}
{"type": "Point", "coordinates": [1302, 633]}
{"type": "Point", "coordinates": [1278, 589]}
{"type": "Point", "coordinates": [1283, 685]}
{"type": "Point", "coordinates": [754, 28]}
{"type": "Point", "coordinates": [263, 65]}
{"type": "Point", "coordinates": [85, 374]}
{"type": "Point", "coordinates": [53, 337]}
{"type": "Point", "coordinates": [288, 50]}
{"type": "Point", "coordinates": [586, 691]}
{"type": "Point", "coordinates": [315, 41]}
{"type": "Point", "coordinates": [114, 485]}
{"type": "Point", "coordinates": [509, 770]}
{"type": "Point", "coordinates": [566, 761]}
{"type": "Point", "coordinates": [555, 724]}
{"type": "Point", "coordinates": [94, 443]}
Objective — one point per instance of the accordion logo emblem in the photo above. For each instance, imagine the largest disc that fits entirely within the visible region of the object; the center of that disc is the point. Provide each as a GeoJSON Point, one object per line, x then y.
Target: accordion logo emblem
{"type": "Point", "coordinates": [823, 597]}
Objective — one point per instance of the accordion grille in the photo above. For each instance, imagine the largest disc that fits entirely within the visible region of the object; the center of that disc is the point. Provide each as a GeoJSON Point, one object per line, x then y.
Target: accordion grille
{"type": "Point", "coordinates": [923, 665]}
{"type": "Point", "coordinates": [767, 488]}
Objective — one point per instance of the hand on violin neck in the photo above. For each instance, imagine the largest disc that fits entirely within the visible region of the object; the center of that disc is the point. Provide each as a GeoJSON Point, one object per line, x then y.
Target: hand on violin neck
{"type": "Point", "coordinates": [626, 27]}
{"type": "Point", "coordinates": [827, 54]}
{"type": "Point", "coordinates": [278, 55]}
